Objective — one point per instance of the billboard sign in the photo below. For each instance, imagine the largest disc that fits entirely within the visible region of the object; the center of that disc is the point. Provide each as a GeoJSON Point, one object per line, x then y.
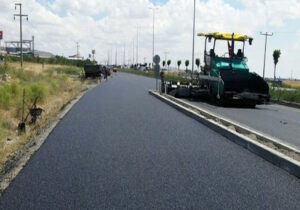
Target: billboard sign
{"type": "Point", "coordinates": [1, 35]}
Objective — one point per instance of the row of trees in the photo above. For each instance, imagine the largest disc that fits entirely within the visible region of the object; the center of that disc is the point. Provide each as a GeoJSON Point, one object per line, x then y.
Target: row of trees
{"type": "Point", "coordinates": [187, 63]}
{"type": "Point", "coordinates": [54, 60]}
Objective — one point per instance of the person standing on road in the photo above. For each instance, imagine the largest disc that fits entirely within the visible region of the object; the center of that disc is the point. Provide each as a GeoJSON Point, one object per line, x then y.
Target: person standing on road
{"type": "Point", "coordinates": [100, 72]}
{"type": "Point", "coordinates": [104, 72]}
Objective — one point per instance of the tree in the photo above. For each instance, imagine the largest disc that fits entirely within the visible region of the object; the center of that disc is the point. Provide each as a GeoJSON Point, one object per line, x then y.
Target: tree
{"type": "Point", "coordinates": [164, 63]}
{"type": "Point", "coordinates": [198, 63]}
{"type": "Point", "coordinates": [178, 64]}
{"type": "Point", "coordinates": [187, 63]}
{"type": "Point", "coordinates": [276, 55]}
{"type": "Point", "coordinates": [168, 63]}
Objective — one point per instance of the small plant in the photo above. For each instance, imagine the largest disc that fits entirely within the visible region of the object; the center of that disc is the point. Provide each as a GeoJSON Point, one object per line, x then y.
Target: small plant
{"type": "Point", "coordinates": [198, 63]}
{"type": "Point", "coordinates": [276, 55]}
{"type": "Point", "coordinates": [178, 64]}
{"type": "Point", "coordinates": [169, 63]}
{"type": "Point", "coordinates": [187, 63]}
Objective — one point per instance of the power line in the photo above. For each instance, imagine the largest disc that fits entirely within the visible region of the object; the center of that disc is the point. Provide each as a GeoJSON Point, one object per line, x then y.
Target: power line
{"type": "Point", "coordinates": [266, 41]}
{"type": "Point", "coordinates": [20, 15]}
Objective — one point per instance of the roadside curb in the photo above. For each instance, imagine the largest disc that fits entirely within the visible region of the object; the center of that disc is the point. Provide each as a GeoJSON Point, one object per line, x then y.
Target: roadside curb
{"type": "Point", "coordinates": [19, 159]}
{"type": "Point", "coordinates": [277, 158]}
{"type": "Point", "coordinates": [287, 103]}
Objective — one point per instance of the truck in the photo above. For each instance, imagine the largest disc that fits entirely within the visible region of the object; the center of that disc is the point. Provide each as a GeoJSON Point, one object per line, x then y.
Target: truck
{"type": "Point", "coordinates": [93, 71]}
{"type": "Point", "coordinates": [225, 77]}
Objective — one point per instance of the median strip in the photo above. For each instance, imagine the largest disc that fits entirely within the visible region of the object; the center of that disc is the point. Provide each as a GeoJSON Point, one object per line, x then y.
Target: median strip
{"type": "Point", "coordinates": [271, 149]}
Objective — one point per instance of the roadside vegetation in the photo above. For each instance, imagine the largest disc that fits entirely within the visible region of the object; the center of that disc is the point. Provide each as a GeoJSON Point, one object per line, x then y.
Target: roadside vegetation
{"type": "Point", "coordinates": [54, 85]}
{"type": "Point", "coordinates": [288, 91]}
{"type": "Point", "coordinates": [55, 60]}
{"type": "Point", "coordinates": [169, 75]}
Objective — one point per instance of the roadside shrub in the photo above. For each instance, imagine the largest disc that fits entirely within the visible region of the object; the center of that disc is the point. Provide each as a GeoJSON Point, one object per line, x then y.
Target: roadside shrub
{"type": "Point", "coordinates": [69, 70]}
{"type": "Point", "coordinates": [286, 95]}
{"type": "Point", "coordinates": [54, 60]}
{"type": "Point", "coordinates": [35, 90]}
{"type": "Point", "coordinates": [5, 96]}
{"type": "Point", "coordinates": [15, 89]}
{"type": "Point", "coordinates": [24, 76]}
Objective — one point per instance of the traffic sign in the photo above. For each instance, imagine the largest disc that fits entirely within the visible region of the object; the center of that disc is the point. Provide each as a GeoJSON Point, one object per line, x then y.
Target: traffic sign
{"type": "Point", "coordinates": [156, 59]}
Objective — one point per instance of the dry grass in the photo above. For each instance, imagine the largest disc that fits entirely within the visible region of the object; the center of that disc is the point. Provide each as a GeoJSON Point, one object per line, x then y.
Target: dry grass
{"type": "Point", "coordinates": [292, 83]}
{"type": "Point", "coordinates": [36, 67]}
{"type": "Point", "coordinates": [59, 89]}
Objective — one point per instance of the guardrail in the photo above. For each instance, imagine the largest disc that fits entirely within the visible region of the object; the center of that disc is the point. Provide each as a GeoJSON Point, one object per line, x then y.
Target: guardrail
{"type": "Point", "coordinates": [269, 148]}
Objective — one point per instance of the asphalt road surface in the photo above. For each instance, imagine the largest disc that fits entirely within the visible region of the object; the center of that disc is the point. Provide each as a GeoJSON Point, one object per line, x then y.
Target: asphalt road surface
{"type": "Point", "coordinates": [277, 121]}
{"type": "Point", "coordinates": [120, 148]}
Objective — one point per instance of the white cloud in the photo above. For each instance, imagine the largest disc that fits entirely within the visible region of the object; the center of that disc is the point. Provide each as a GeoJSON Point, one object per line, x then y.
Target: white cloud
{"type": "Point", "coordinates": [106, 24]}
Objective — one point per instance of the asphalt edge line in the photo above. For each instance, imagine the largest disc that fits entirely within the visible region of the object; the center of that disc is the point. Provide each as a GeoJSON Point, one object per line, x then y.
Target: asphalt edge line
{"type": "Point", "coordinates": [34, 144]}
{"type": "Point", "coordinates": [288, 164]}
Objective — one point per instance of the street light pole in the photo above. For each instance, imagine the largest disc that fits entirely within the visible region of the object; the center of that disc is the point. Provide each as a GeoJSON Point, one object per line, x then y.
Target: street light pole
{"type": "Point", "coordinates": [133, 52]}
{"type": "Point", "coordinates": [266, 41]}
{"type": "Point", "coordinates": [20, 15]}
{"type": "Point", "coordinates": [153, 9]}
{"type": "Point", "coordinates": [137, 44]}
{"type": "Point", "coordinates": [193, 53]}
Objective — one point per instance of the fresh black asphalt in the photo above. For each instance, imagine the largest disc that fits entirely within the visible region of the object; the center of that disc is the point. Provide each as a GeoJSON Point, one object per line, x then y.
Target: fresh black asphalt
{"type": "Point", "coordinates": [277, 121]}
{"type": "Point", "coordinates": [120, 148]}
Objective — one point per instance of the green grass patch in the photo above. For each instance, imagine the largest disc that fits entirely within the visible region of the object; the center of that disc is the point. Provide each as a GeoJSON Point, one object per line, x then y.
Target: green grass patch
{"type": "Point", "coordinates": [70, 70]}
{"type": "Point", "coordinates": [40, 85]}
{"type": "Point", "coordinates": [168, 77]}
{"type": "Point", "coordinates": [286, 95]}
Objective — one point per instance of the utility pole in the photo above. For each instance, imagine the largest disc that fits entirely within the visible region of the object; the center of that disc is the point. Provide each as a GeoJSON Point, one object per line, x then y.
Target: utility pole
{"type": "Point", "coordinates": [111, 55]}
{"type": "Point", "coordinates": [77, 47]}
{"type": "Point", "coordinates": [137, 44]}
{"type": "Point", "coordinates": [133, 51]}
{"type": "Point", "coordinates": [193, 50]}
{"type": "Point", "coordinates": [266, 41]}
{"type": "Point", "coordinates": [108, 60]}
{"type": "Point", "coordinates": [20, 15]}
{"type": "Point", "coordinates": [93, 52]}
{"type": "Point", "coordinates": [153, 9]}
{"type": "Point", "coordinates": [33, 45]}
{"type": "Point", "coordinates": [124, 56]}
{"type": "Point", "coordinates": [116, 57]}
